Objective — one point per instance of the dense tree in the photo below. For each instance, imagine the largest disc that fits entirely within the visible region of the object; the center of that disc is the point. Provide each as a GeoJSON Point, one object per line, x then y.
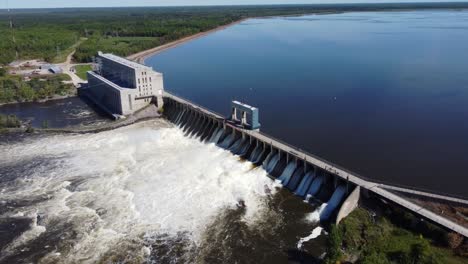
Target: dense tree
{"type": "Point", "coordinates": [334, 241]}
{"type": "Point", "coordinates": [47, 33]}
{"type": "Point", "coordinates": [374, 257]}
{"type": "Point", "coordinates": [13, 89]}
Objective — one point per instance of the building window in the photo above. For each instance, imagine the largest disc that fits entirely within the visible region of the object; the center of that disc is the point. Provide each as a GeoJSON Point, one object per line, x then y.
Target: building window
{"type": "Point", "coordinates": [150, 79]}
{"type": "Point", "coordinates": [138, 80]}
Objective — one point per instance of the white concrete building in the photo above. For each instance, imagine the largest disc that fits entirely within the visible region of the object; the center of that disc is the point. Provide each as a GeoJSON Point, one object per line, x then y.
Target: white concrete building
{"type": "Point", "coordinates": [121, 86]}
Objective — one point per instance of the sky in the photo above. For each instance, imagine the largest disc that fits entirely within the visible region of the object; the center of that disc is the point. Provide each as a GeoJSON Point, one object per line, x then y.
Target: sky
{"type": "Point", "coordinates": [113, 3]}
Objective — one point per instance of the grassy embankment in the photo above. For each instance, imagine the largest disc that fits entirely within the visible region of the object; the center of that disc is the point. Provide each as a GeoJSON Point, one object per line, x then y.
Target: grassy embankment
{"type": "Point", "coordinates": [81, 71]}
{"type": "Point", "coordinates": [379, 240]}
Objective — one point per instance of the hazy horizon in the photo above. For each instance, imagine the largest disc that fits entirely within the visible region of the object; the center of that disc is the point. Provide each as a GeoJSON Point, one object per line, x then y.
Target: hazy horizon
{"type": "Point", "coordinates": [26, 4]}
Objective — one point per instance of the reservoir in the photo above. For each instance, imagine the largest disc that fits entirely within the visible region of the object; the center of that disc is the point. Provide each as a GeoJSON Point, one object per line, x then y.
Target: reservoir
{"type": "Point", "coordinates": [382, 94]}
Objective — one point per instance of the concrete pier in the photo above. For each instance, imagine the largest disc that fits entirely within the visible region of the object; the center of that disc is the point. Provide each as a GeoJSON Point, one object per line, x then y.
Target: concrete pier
{"type": "Point", "coordinates": [261, 145]}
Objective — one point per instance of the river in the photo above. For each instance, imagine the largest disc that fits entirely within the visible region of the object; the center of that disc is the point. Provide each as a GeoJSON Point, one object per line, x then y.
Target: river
{"type": "Point", "coordinates": [146, 194]}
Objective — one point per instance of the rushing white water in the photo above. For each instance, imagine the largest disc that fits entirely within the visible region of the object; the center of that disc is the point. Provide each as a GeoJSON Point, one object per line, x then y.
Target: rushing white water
{"type": "Point", "coordinates": [129, 184]}
{"type": "Point", "coordinates": [333, 203]}
{"type": "Point", "coordinates": [315, 233]}
{"type": "Point", "coordinates": [301, 190]}
{"type": "Point", "coordinates": [314, 217]}
{"type": "Point", "coordinates": [287, 173]}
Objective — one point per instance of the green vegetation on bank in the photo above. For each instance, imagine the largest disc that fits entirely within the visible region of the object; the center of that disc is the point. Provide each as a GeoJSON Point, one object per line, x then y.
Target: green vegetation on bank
{"type": "Point", "coordinates": [9, 121]}
{"type": "Point", "coordinates": [14, 89]}
{"type": "Point", "coordinates": [51, 34]}
{"type": "Point", "coordinates": [377, 240]}
{"type": "Point", "coordinates": [81, 71]}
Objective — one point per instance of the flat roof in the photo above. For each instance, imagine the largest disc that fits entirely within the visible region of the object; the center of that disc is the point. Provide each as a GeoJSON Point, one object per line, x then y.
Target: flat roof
{"type": "Point", "coordinates": [244, 105]}
{"type": "Point", "coordinates": [124, 61]}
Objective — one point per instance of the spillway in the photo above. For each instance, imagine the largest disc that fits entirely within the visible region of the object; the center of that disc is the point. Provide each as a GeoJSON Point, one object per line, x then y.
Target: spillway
{"type": "Point", "coordinates": [316, 185]}
{"type": "Point", "coordinates": [333, 203]}
{"type": "Point", "coordinates": [235, 147]}
{"type": "Point", "coordinates": [243, 148]}
{"type": "Point", "coordinates": [293, 173]}
{"type": "Point", "coordinates": [295, 178]}
{"type": "Point", "coordinates": [227, 141]}
{"type": "Point", "coordinates": [259, 149]}
{"type": "Point", "coordinates": [273, 161]}
{"type": "Point", "coordinates": [287, 173]}
{"type": "Point", "coordinates": [256, 153]}
{"type": "Point", "coordinates": [304, 185]}
{"type": "Point", "coordinates": [216, 136]}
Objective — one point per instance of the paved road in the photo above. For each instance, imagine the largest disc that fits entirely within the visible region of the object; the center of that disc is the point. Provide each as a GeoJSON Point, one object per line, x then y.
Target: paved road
{"type": "Point", "coordinates": [426, 194]}
{"type": "Point", "coordinates": [68, 65]}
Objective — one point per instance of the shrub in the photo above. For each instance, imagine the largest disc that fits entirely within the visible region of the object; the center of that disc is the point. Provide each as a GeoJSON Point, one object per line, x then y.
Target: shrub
{"type": "Point", "coordinates": [9, 121]}
{"type": "Point", "coordinates": [334, 245]}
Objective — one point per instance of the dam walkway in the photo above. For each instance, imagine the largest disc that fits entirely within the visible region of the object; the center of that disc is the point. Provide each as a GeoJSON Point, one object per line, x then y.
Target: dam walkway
{"type": "Point", "coordinates": [344, 176]}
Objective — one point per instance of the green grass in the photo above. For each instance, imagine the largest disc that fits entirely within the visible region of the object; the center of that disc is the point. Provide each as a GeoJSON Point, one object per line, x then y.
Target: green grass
{"type": "Point", "coordinates": [380, 239]}
{"type": "Point", "coordinates": [81, 71]}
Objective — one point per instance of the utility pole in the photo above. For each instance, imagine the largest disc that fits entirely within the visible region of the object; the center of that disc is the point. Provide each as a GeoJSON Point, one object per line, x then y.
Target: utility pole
{"type": "Point", "coordinates": [12, 30]}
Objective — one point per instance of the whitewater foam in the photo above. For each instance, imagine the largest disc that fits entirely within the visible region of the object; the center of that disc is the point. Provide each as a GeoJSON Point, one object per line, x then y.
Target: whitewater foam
{"type": "Point", "coordinates": [127, 184]}
{"type": "Point", "coordinates": [315, 233]}
{"type": "Point", "coordinates": [314, 217]}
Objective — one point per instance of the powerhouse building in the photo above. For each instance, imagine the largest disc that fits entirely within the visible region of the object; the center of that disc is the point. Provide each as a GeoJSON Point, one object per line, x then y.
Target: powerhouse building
{"type": "Point", "coordinates": [121, 86]}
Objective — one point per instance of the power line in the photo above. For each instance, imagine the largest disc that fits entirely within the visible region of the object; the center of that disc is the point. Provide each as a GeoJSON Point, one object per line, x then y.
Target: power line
{"type": "Point", "coordinates": [12, 29]}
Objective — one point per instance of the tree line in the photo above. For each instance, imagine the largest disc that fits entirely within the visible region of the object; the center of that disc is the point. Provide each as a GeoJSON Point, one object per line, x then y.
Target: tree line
{"type": "Point", "coordinates": [45, 33]}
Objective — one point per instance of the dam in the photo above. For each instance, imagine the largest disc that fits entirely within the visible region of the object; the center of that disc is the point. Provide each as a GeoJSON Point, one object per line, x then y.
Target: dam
{"type": "Point", "coordinates": [302, 173]}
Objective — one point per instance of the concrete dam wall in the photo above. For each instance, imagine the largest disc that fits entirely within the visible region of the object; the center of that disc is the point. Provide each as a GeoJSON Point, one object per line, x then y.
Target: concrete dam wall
{"type": "Point", "coordinates": [305, 175]}
{"type": "Point", "coordinates": [295, 173]}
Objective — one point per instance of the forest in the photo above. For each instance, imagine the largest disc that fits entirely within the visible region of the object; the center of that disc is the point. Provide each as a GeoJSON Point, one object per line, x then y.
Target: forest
{"type": "Point", "coordinates": [49, 33]}
{"type": "Point", "coordinates": [13, 89]}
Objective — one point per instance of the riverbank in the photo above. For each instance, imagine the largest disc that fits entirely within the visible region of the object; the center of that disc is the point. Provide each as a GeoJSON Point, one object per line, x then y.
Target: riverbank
{"type": "Point", "coordinates": [140, 57]}
{"type": "Point", "coordinates": [145, 114]}
{"type": "Point", "coordinates": [53, 98]}
{"type": "Point", "coordinates": [386, 234]}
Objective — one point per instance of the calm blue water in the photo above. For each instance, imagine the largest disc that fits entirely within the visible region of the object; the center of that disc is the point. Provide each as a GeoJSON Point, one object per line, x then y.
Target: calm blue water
{"type": "Point", "coordinates": [384, 94]}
